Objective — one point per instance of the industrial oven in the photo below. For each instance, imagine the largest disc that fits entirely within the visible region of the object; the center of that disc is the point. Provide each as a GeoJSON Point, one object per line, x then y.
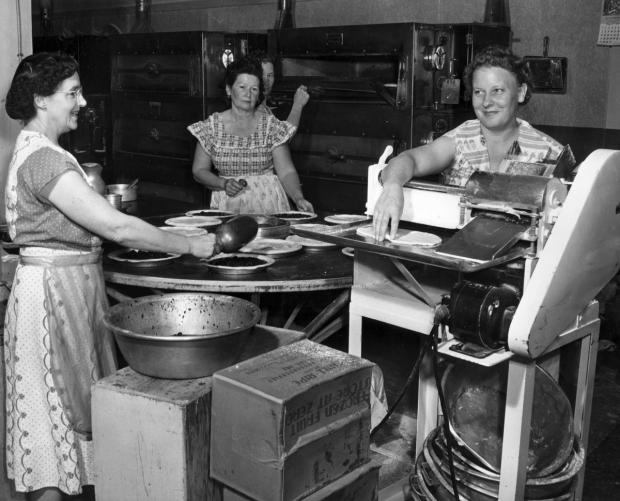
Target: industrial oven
{"type": "Point", "coordinates": [513, 281]}
{"type": "Point", "coordinates": [370, 86]}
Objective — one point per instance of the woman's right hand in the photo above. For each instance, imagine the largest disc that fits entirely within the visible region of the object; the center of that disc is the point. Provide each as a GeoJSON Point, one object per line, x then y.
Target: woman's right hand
{"type": "Point", "coordinates": [301, 96]}
{"type": "Point", "coordinates": [202, 246]}
{"type": "Point", "coordinates": [232, 187]}
{"type": "Point", "coordinates": [387, 211]}
{"type": "Point", "coordinates": [303, 205]}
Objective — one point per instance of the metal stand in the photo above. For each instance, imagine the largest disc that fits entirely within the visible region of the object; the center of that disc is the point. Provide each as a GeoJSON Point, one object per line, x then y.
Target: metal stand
{"type": "Point", "coordinates": [520, 396]}
{"type": "Point", "coordinates": [381, 292]}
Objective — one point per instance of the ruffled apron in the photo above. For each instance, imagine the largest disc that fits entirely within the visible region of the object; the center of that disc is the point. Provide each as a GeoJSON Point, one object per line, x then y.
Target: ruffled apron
{"type": "Point", "coordinates": [264, 194]}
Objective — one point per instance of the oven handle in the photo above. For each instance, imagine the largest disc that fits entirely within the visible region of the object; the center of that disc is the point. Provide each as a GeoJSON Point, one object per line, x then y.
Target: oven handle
{"type": "Point", "coordinates": [378, 88]}
{"type": "Point", "coordinates": [319, 90]}
{"type": "Point", "coordinates": [384, 94]}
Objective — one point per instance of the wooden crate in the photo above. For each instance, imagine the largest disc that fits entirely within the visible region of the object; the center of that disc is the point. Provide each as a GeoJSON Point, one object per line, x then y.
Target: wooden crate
{"type": "Point", "coordinates": [151, 438]}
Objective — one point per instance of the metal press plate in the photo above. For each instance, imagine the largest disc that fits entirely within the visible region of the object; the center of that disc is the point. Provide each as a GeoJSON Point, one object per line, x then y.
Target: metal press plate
{"type": "Point", "coordinates": [347, 237]}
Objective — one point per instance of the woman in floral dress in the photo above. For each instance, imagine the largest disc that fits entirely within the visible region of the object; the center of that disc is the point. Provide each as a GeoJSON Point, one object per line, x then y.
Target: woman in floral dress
{"type": "Point", "coordinates": [242, 154]}
{"type": "Point", "coordinates": [498, 82]}
{"type": "Point", "coordinates": [55, 346]}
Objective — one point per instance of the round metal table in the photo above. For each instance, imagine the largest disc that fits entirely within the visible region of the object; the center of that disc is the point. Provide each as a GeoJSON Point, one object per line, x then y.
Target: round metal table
{"type": "Point", "coordinates": [306, 271]}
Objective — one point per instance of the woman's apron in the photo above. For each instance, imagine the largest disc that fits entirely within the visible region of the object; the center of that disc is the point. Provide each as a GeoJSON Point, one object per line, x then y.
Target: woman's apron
{"type": "Point", "coordinates": [81, 349]}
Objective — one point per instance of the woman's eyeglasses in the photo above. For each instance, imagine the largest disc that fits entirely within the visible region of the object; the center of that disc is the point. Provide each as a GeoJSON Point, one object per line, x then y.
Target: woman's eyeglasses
{"type": "Point", "coordinates": [73, 94]}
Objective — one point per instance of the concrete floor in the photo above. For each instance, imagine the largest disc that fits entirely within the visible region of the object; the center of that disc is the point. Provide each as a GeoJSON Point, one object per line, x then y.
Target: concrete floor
{"type": "Point", "coordinates": [602, 482]}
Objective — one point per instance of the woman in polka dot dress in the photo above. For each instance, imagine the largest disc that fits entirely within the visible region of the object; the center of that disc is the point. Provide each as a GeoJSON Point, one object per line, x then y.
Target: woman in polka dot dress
{"type": "Point", "coordinates": [55, 344]}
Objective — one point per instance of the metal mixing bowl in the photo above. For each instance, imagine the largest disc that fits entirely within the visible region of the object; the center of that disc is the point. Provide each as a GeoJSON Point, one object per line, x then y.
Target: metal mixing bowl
{"type": "Point", "coordinates": [184, 335]}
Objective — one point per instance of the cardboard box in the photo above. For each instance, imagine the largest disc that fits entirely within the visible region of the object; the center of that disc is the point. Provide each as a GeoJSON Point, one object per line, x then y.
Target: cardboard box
{"type": "Point", "coordinates": [290, 421]}
{"type": "Point", "coordinates": [359, 485]}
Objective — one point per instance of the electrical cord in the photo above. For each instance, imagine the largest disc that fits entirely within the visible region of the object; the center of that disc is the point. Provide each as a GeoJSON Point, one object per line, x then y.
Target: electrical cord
{"type": "Point", "coordinates": [446, 419]}
{"type": "Point", "coordinates": [441, 315]}
{"type": "Point", "coordinates": [410, 379]}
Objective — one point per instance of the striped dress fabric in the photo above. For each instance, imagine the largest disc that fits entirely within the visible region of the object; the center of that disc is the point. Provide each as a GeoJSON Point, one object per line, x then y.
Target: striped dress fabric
{"type": "Point", "coordinates": [472, 155]}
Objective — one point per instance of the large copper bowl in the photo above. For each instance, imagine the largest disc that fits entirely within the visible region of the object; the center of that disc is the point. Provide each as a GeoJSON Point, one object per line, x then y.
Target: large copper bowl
{"type": "Point", "coordinates": [184, 335]}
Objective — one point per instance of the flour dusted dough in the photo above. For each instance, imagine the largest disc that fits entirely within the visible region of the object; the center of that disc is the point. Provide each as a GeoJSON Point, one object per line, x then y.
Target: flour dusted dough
{"type": "Point", "coordinates": [419, 238]}
{"type": "Point", "coordinates": [193, 221]}
{"type": "Point", "coordinates": [405, 237]}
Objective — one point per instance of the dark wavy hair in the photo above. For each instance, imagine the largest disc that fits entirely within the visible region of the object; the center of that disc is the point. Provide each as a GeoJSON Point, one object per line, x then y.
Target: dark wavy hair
{"type": "Point", "coordinates": [246, 65]}
{"type": "Point", "coordinates": [39, 74]}
{"type": "Point", "coordinates": [262, 57]}
{"type": "Point", "coordinates": [501, 57]}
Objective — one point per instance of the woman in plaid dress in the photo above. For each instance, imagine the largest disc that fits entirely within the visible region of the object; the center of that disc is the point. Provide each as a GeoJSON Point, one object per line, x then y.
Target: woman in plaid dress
{"type": "Point", "coordinates": [242, 154]}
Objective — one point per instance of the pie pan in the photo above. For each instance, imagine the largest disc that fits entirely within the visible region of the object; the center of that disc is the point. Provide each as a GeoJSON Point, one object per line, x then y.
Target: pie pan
{"type": "Point", "coordinates": [135, 257]}
{"type": "Point", "coordinates": [238, 263]}
{"type": "Point", "coordinates": [220, 214]}
{"type": "Point", "coordinates": [295, 216]}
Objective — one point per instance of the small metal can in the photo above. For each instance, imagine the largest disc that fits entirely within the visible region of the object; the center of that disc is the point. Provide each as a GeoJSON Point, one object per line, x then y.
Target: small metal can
{"type": "Point", "coordinates": [115, 200]}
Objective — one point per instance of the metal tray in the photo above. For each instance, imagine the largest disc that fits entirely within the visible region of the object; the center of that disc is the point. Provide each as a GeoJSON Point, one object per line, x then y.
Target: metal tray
{"type": "Point", "coordinates": [346, 236]}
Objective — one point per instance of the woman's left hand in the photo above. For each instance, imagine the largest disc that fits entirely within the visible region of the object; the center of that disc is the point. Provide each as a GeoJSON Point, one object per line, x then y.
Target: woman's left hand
{"type": "Point", "coordinates": [301, 96]}
{"type": "Point", "coordinates": [303, 205]}
{"type": "Point", "coordinates": [232, 187]}
{"type": "Point", "coordinates": [202, 246]}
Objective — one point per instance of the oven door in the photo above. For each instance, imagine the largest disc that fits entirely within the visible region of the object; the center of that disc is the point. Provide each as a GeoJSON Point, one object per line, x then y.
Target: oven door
{"type": "Point", "coordinates": [360, 83]}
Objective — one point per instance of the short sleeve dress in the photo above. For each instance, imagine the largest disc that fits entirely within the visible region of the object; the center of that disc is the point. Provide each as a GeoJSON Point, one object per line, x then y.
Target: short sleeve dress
{"type": "Point", "coordinates": [247, 157]}
{"type": "Point", "coordinates": [472, 154]}
{"type": "Point", "coordinates": [55, 345]}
